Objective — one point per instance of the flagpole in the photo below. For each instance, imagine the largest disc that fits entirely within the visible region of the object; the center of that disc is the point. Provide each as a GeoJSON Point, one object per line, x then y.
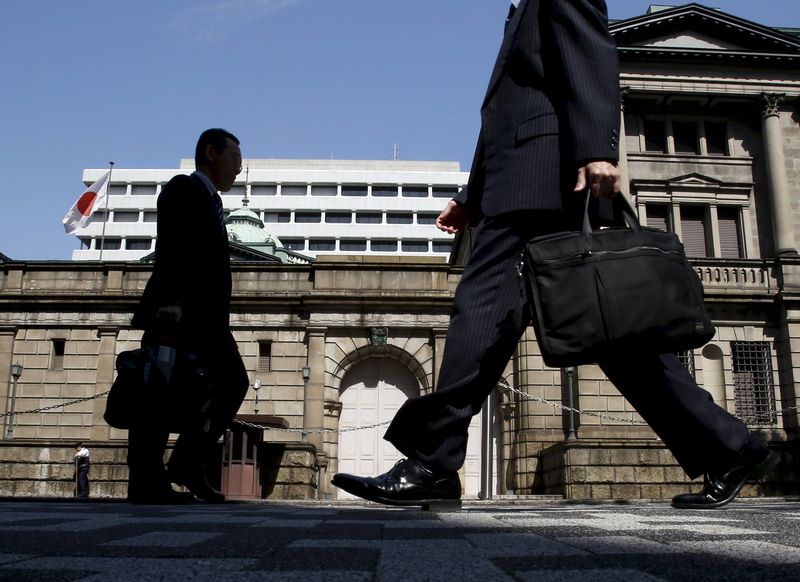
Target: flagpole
{"type": "Point", "coordinates": [105, 213]}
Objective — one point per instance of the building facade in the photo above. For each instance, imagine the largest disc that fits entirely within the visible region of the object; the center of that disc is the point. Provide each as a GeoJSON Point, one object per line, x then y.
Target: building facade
{"type": "Point", "coordinates": [711, 152]}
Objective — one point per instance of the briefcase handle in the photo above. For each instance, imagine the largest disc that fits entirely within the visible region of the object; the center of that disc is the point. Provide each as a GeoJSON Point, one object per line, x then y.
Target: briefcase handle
{"type": "Point", "coordinates": [620, 202]}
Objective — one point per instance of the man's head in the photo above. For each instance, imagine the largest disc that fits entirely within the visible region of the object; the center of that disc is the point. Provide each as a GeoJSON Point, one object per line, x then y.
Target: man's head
{"type": "Point", "coordinates": [78, 446]}
{"type": "Point", "coordinates": [218, 156]}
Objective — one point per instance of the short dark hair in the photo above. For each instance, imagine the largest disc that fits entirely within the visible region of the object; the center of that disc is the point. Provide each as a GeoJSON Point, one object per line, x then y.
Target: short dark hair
{"type": "Point", "coordinates": [216, 137]}
{"type": "Point", "coordinates": [78, 445]}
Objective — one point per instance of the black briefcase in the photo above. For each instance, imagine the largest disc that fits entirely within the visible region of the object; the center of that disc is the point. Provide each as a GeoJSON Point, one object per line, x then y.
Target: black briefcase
{"type": "Point", "coordinates": [620, 289]}
{"type": "Point", "coordinates": [142, 396]}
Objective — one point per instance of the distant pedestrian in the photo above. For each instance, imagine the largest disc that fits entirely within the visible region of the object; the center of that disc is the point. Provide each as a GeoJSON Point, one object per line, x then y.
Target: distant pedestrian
{"type": "Point", "coordinates": [81, 471]}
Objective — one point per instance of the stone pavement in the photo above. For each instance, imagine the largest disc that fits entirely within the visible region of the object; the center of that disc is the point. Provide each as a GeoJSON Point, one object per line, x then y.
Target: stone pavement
{"type": "Point", "coordinates": [496, 541]}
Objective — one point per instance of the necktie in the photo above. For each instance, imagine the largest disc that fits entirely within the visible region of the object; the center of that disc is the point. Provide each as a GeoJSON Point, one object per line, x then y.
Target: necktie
{"type": "Point", "coordinates": [217, 201]}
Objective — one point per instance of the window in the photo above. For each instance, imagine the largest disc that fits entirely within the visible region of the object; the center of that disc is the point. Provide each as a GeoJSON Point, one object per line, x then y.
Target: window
{"type": "Point", "coordinates": [294, 190]}
{"type": "Point", "coordinates": [383, 246]}
{"type": "Point", "coordinates": [86, 243]}
{"type": "Point", "coordinates": [753, 389]}
{"type": "Point", "coordinates": [354, 190]}
{"type": "Point", "coordinates": [684, 134]}
{"type": "Point", "coordinates": [415, 191]}
{"type": "Point", "coordinates": [716, 138]}
{"type": "Point", "coordinates": [339, 217]}
{"type": "Point", "coordinates": [150, 216]}
{"type": "Point", "coordinates": [322, 244]}
{"type": "Point", "coordinates": [442, 246]}
{"type": "Point", "coordinates": [111, 244]}
{"type": "Point", "coordinates": [693, 230]}
{"type": "Point", "coordinates": [238, 191]}
{"type": "Point", "coordinates": [687, 359]}
{"type": "Point", "coordinates": [138, 244]}
{"type": "Point", "coordinates": [729, 239]}
{"type": "Point", "coordinates": [444, 191]}
{"type": "Point", "coordinates": [306, 217]}
{"type": "Point", "coordinates": [143, 189]}
{"type": "Point", "coordinates": [117, 189]}
{"type": "Point", "coordinates": [126, 216]}
{"type": "Point", "coordinates": [369, 217]}
{"type": "Point", "coordinates": [399, 218]}
{"type": "Point", "coordinates": [294, 244]}
{"type": "Point", "coordinates": [384, 191]}
{"type": "Point", "coordinates": [323, 189]}
{"type": "Point", "coordinates": [277, 217]}
{"type": "Point", "coordinates": [263, 190]}
{"type": "Point", "coordinates": [655, 135]}
{"type": "Point", "coordinates": [58, 347]}
{"type": "Point", "coordinates": [415, 246]}
{"type": "Point", "coordinates": [353, 245]}
{"type": "Point", "coordinates": [658, 217]}
{"type": "Point", "coordinates": [427, 217]}
{"type": "Point", "coordinates": [264, 356]}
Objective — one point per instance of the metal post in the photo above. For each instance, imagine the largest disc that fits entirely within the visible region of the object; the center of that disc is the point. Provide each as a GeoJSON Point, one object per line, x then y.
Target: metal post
{"type": "Point", "coordinates": [306, 376]}
{"type": "Point", "coordinates": [571, 430]}
{"type": "Point", "coordinates": [16, 372]}
{"type": "Point", "coordinates": [487, 451]}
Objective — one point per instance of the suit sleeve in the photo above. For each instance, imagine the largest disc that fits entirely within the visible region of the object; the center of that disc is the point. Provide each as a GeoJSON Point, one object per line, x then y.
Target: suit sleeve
{"type": "Point", "coordinates": [586, 68]}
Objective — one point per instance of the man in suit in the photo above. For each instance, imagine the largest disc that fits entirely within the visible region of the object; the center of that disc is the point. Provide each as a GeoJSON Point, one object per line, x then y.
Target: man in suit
{"type": "Point", "coordinates": [549, 131]}
{"type": "Point", "coordinates": [186, 305]}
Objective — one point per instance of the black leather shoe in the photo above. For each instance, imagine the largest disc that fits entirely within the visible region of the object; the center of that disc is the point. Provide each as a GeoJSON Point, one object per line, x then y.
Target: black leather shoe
{"type": "Point", "coordinates": [722, 489]}
{"type": "Point", "coordinates": [409, 482]}
{"type": "Point", "coordinates": [197, 484]}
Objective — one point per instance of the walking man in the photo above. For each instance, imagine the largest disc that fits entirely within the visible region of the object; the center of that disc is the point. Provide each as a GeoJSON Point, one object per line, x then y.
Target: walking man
{"type": "Point", "coordinates": [549, 131]}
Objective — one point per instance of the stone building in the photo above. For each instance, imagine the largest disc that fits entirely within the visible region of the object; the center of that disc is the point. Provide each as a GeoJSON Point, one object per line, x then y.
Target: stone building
{"type": "Point", "coordinates": [711, 152]}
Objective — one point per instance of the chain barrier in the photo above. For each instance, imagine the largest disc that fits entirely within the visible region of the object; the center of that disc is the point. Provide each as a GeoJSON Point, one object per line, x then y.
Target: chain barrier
{"type": "Point", "coordinates": [558, 405]}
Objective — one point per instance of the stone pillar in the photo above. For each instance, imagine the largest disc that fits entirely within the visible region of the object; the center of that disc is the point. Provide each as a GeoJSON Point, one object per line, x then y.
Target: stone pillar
{"type": "Point", "coordinates": [780, 198]}
{"type": "Point", "coordinates": [314, 397]}
{"type": "Point", "coordinates": [7, 335]}
{"type": "Point", "coordinates": [106, 360]}
{"type": "Point", "coordinates": [439, 336]}
{"type": "Point", "coordinates": [624, 174]}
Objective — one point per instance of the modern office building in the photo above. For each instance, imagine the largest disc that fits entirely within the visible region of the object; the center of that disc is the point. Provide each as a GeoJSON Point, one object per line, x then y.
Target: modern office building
{"type": "Point", "coordinates": [332, 207]}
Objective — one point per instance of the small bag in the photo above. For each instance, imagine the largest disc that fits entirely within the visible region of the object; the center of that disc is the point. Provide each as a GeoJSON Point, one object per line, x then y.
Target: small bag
{"type": "Point", "coordinates": [617, 289]}
{"type": "Point", "coordinates": [143, 394]}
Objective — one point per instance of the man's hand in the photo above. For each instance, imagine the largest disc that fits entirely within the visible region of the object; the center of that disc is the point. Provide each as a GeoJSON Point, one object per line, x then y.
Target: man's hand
{"type": "Point", "coordinates": [602, 179]}
{"type": "Point", "coordinates": [453, 218]}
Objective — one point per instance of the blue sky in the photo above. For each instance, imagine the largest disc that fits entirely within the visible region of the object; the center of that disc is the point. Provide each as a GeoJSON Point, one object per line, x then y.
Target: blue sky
{"type": "Point", "coordinates": [88, 81]}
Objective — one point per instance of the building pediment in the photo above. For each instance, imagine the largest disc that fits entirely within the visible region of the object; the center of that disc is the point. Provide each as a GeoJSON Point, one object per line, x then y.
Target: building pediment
{"type": "Point", "coordinates": [694, 29]}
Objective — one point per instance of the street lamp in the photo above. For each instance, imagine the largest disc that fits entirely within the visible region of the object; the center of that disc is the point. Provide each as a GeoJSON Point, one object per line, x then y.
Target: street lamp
{"type": "Point", "coordinates": [306, 371]}
{"type": "Point", "coordinates": [16, 372]}
{"type": "Point", "coordinates": [256, 387]}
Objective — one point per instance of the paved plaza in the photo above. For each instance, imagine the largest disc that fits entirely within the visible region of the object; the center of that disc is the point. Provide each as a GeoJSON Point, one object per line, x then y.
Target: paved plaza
{"type": "Point", "coordinates": [496, 541]}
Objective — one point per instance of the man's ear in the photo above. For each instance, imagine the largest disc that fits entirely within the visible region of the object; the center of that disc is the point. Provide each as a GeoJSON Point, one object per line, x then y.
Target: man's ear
{"type": "Point", "coordinates": [211, 153]}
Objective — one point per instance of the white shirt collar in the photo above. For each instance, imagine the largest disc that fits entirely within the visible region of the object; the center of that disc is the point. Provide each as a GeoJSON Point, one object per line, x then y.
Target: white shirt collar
{"type": "Point", "coordinates": [207, 181]}
{"type": "Point", "coordinates": [515, 2]}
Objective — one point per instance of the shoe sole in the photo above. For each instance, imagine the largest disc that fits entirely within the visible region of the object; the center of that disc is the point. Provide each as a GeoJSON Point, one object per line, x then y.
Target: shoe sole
{"type": "Point", "coordinates": [760, 470]}
{"type": "Point", "coordinates": [435, 504]}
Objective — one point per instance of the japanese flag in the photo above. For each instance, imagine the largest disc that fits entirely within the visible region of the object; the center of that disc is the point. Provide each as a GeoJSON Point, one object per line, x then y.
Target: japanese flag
{"type": "Point", "coordinates": [80, 215]}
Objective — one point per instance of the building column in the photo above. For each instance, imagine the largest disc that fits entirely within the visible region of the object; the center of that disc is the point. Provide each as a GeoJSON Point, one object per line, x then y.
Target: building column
{"type": "Point", "coordinates": [624, 174]}
{"type": "Point", "coordinates": [780, 198]}
{"type": "Point", "coordinates": [7, 336]}
{"type": "Point", "coordinates": [314, 396]}
{"type": "Point", "coordinates": [106, 365]}
{"type": "Point", "coordinates": [439, 337]}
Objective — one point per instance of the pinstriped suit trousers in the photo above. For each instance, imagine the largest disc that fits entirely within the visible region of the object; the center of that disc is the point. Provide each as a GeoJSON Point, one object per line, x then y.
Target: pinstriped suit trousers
{"type": "Point", "coordinates": [490, 314]}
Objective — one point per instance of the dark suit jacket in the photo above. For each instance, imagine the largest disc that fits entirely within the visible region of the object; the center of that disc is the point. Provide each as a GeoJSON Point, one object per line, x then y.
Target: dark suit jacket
{"type": "Point", "coordinates": [192, 265]}
{"type": "Point", "coordinates": [552, 104]}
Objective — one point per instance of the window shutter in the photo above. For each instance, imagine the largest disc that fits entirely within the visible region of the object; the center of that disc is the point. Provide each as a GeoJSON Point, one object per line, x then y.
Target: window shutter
{"type": "Point", "coordinates": [729, 239]}
{"type": "Point", "coordinates": [693, 231]}
{"type": "Point", "coordinates": [657, 217]}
